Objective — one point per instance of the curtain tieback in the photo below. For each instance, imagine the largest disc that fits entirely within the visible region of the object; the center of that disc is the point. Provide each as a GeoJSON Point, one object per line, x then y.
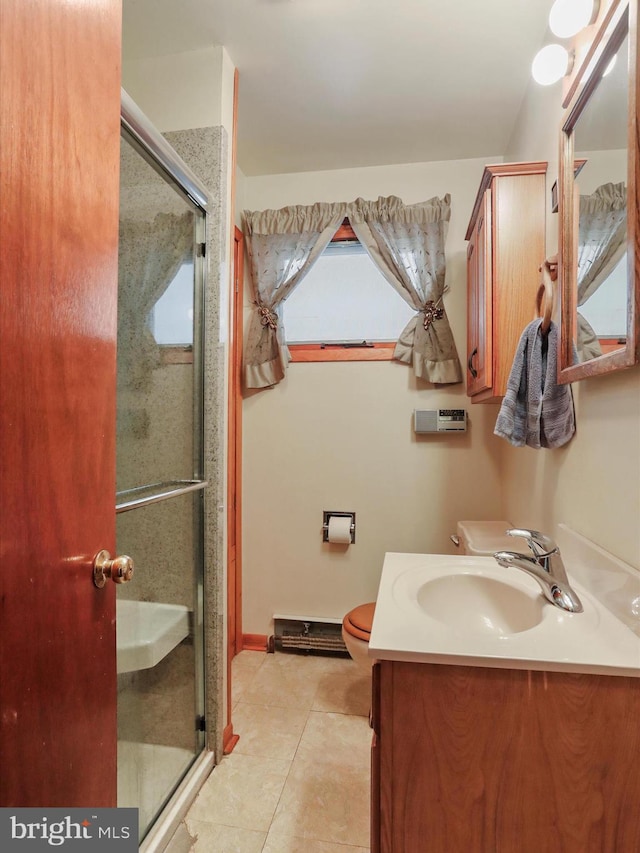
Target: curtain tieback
{"type": "Point", "coordinates": [431, 312]}
{"type": "Point", "coordinates": [267, 317]}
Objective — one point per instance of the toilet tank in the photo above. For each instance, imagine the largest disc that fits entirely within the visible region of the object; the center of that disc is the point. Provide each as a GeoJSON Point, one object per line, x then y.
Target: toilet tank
{"type": "Point", "coordinates": [484, 538]}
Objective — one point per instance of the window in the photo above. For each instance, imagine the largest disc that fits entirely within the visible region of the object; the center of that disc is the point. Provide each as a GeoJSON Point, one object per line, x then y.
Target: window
{"type": "Point", "coordinates": [171, 319]}
{"type": "Point", "coordinates": [344, 309]}
{"type": "Point", "coordinates": [606, 309]}
{"type": "Point", "coordinates": [172, 316]}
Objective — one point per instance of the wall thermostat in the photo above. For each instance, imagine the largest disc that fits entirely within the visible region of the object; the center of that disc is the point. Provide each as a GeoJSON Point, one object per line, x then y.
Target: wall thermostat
{"type": "Point", "coordinates": [439, 420]}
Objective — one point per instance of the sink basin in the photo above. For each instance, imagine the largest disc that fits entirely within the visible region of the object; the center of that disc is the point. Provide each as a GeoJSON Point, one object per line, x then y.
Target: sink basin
{"type": "Point", "coordinates": [466, 610]}
{"type": "Point", "coordinates": [479, 603]}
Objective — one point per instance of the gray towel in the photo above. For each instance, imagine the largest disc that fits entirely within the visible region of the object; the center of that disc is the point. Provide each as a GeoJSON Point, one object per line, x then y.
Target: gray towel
{"type": "Point", "coordinates": [536, 411]}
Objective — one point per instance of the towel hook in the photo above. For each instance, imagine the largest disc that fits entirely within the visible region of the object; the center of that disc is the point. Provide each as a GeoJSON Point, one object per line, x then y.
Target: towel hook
{"type": "Point", "coordinates": [545, 295]}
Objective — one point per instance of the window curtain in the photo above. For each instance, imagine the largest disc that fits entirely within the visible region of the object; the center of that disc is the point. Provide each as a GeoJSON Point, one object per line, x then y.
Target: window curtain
{"type": "Point", "coordinates": [282, 246]}
{"type": "Point", "coordinates": [602, 241]}
{"type": "Point", "coordinates": [149, 256]}
{"type": "Point", "coordinates": [406, 242]}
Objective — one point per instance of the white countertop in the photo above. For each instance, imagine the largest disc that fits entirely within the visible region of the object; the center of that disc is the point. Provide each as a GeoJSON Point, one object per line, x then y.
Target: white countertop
{"type": "Point", "coordinates": [594, 641]}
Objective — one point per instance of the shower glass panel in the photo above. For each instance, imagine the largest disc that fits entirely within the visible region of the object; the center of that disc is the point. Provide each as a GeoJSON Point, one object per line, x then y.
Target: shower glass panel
{"type": "Point", "coordinates": [159, 474]}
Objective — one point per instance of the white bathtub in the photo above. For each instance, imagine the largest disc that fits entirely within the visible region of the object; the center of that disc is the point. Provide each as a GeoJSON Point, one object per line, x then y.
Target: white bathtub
{"type": "Point", "coordinates": [147, 631]}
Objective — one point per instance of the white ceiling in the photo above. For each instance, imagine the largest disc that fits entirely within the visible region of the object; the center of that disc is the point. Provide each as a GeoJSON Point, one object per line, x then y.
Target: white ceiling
{"type": "Point", "coordinates": [328, 84]}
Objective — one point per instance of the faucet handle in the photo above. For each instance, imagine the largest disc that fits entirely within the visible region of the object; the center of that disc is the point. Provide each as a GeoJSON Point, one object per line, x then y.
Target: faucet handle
{"type": "Point", "coordinates": [539, 543]}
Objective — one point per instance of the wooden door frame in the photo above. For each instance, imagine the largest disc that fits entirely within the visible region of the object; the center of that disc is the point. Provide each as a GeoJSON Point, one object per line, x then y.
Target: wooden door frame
{"type": "Point", "coordinates": [234, 438]}
{"type": "Point", "coordinates": [234, 476]}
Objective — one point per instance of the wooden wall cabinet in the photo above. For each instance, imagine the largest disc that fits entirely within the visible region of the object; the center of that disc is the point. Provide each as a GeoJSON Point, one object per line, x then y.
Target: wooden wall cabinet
{"type": "Point", "coordinates": [506, 237]}
{"type": "Point", "coordinates": [478, 760]}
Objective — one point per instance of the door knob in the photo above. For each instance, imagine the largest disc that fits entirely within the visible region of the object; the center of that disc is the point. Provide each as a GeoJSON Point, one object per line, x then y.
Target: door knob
{"type": "Point", "coordinates": [119, 569]}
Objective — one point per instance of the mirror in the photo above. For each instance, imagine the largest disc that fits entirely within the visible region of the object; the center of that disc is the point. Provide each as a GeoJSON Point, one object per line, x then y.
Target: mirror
{"type": "Point", "coordinates": [598, 210]}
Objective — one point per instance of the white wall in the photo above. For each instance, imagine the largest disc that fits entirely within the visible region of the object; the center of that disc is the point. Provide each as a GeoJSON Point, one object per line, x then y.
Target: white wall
{"type": "Point", "coordinates": [179, 91]}
{"type": "Point", "coordinates": [338, 436]}
{"type": "Point", "coordinates": [601, 167]}
{"type": "Point", "coordinates": [593, 484]}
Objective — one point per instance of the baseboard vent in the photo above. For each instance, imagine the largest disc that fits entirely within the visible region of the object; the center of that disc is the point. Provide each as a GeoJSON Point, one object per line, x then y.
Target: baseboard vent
{"type": "Point", "coordinates": [311, 636]}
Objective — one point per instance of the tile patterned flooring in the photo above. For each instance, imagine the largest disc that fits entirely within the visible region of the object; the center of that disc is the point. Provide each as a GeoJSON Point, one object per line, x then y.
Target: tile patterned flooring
{"type": "Point", "coordinates": [298, 779]}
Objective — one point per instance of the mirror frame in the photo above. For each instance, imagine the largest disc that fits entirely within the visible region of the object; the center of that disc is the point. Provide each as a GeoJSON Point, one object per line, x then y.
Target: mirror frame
{"type": "Point", "coordinates": [621, 20]}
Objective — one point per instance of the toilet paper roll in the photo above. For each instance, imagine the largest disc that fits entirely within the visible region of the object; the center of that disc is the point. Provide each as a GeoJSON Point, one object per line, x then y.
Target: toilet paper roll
{"type": "Point", "coordinates": [340, 529]}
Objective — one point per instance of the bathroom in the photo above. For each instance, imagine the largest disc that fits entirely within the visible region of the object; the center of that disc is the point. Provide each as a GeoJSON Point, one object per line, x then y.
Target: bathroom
{"type": "Point", "coordinates": [347, 425]}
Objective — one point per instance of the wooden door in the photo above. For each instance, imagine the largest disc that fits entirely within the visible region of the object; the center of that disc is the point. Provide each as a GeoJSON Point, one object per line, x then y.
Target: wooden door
{"type": "Point", "coordinates": [60, 117]}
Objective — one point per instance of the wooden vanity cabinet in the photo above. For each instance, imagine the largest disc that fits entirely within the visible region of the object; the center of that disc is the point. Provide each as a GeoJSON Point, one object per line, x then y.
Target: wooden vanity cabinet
{"type": "Point", "coordinates": [506, 237]}
{"type": "Point", "coordinates": [478, 760]}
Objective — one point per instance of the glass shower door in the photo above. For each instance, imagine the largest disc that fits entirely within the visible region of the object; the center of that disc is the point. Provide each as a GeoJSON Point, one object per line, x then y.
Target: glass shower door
{"type": "Point", "coordinates": [159, 473]}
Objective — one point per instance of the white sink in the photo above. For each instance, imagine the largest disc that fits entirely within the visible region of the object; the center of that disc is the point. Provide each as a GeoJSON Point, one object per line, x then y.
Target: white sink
{"type": "Point", "coordinates": [146, 631]}
{"type": "Point", "coordinates": [478, 603]}
{"type": "Point", "coordinates": [469, 611]}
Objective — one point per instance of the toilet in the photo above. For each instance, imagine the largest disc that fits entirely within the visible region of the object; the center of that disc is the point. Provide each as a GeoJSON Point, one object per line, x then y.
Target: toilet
{"type": "Point", "coordinates": [477, 538]}
{"type": "Point", "coordinates": [356, 631]}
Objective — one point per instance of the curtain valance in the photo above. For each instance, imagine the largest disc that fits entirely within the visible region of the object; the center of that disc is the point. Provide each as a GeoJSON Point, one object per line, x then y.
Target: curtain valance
{"type": "Point", "coordinates": [315, 217]}
{"type": "Point", "coordinates": [296, 219]}
{"type": "Point", "coordinates": [393, 209]}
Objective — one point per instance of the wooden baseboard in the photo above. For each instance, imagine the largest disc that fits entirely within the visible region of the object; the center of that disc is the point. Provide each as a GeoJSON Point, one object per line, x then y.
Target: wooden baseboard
{"type": "Point", "coordinates": [229, 739]}
{"type": "Point", "coordinates": [255, 642]}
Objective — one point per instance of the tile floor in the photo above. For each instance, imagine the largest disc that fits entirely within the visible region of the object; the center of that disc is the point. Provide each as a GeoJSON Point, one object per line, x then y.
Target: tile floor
{"type": "Point", "coordinates": [298, 779]}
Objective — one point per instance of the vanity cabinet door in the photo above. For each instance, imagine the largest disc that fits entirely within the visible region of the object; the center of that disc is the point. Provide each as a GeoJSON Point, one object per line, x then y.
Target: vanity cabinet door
{"type": "Point", "coordinates": [479, 760]}
{"type": "Point", "coordinates": [506, 237]}
{"type": "Point", "coordinates": [375, 759]}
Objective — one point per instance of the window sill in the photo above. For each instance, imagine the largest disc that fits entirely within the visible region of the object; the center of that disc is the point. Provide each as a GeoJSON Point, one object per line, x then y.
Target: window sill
{"type": "Point", "coordinates": [176, 355]}
{"type": "Point", "coordinates": [611, 344]}
{"type": "Point", "coordinates": [318, 352]}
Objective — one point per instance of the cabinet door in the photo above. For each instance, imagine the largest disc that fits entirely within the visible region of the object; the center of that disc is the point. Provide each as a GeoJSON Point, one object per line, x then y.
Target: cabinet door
{"type": "Point", "coordinates": [479, 307]}
{"type": "Point", "coordinates": [481, 760]}
{"type": "Point", "coordinates": [375, 759]}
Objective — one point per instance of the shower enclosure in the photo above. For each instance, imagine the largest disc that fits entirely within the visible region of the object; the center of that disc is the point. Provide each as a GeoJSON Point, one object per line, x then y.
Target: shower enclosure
{"type": "Point", "coordinates": [159, 469]}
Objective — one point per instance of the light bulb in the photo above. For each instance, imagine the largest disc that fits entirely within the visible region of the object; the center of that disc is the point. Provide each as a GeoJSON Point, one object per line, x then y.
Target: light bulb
{"type": "Point", "coordinates": [568, 17]}
{"type": "Point", "coordinates": [550, 64]}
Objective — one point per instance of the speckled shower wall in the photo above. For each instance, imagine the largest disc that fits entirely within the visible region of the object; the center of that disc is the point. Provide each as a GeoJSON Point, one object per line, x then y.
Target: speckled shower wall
{"type": "Point", "coordinates": [155, 421]}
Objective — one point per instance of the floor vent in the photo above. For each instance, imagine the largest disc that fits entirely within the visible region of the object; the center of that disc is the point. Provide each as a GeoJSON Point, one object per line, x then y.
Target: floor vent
{"type": "Point", "coordinates": [322, 637]}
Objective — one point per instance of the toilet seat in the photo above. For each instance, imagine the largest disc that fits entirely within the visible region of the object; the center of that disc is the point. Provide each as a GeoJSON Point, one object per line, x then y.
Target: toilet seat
{"type": "Point", "coordinates": [358, 622]}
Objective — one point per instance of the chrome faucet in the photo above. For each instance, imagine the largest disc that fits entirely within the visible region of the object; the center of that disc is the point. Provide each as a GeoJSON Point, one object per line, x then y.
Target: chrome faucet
{"type": "Point", "coordinates": [545, 566]}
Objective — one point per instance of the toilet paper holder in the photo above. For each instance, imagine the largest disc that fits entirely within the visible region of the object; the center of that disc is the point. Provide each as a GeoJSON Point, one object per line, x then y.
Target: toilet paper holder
{"type": "Point", "coordinates": [326, 515]}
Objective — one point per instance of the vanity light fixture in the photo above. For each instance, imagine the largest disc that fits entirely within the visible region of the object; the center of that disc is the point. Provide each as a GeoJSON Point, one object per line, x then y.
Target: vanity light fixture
{"type": "Point", "coordinates": [568, 17]}
{"type": "Point", "coordinates": [551, 64]}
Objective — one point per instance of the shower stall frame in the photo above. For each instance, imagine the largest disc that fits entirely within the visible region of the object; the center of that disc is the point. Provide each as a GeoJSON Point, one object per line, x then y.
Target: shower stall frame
{"type": "Point", "coordinates": [153, 147]}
